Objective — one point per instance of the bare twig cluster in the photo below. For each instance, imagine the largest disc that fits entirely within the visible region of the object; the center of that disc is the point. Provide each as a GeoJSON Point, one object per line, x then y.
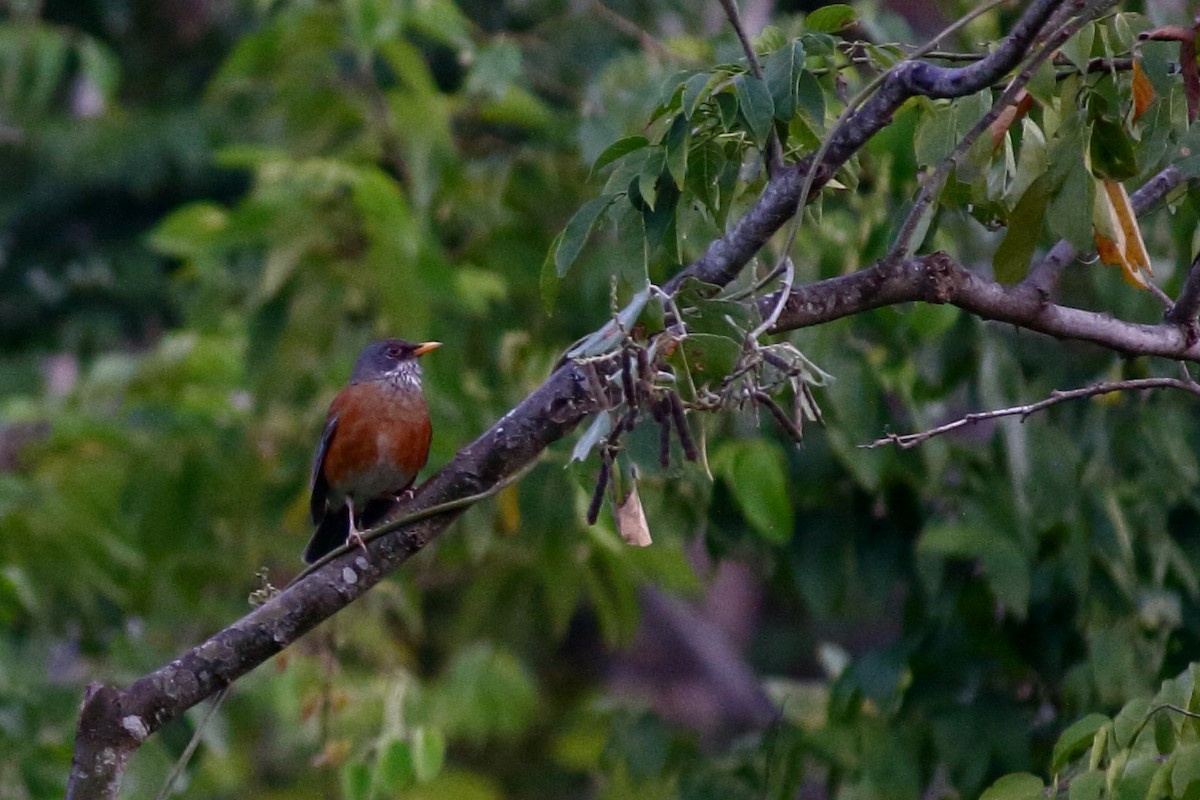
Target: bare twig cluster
{"type": "Point", "coordinates": [636, 380]}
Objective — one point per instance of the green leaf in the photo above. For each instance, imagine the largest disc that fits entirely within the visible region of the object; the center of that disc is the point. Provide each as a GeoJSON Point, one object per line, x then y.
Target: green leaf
{"type": "Point", "coordinates": [934, 139]}
{"type": "Point", "coordinates": [608, 337]}
{"type": "Point", "coordinates": [1111, 151]}
{"type": "Point", "coordinates": [1018, 786]}
{"type": "Point", "coordinates": [727, 185]}
{"type": "Point", "coordinates": [1043, 85]}
{"type": "Point", "coordinates": [676, 143]}
{"type": "Point", "coordinates": [1076, 739]}
{"type": "Point", "coordinates": [486, 692]}
{"type": "Point", "coordinates": [727, 108]}
{"type": "Point", "coordinates": [494, 69]}
{"type": "Point", "coordinates": [1185, 773]}
{"type": "Point", "coordinates": [818, 44]}
{"type": "Point", "coordinates": [1077, 192]}
{"type": "Point", "coordinates": [601, 425]}
{"type": "Point", "coordinates": [755, 105]}
{"type": "Point", "coordinates": [709, 357]}
{"type": "Point", "coordinates": [442, 21]}
{"type": "Point", "coordinates": [99, 65]}
{"type": "Point", "coordinates": [1130, 720]}
{"type": "Point", "coordinates": [1187, 158]}
{"type": "Point", "coordinates": [45, 51]}
{"type": "Point", "coordinates": [705, 165]}
{"type": "Point", "coordinates": [579, 227]}
{"type": "Point", "coordinates": [519, 108]}
{"type": "Point", "coordinates": [1004, 565]}
{"type": "Point", "coordinates": [696, 89]}
{"type": "Point", "coordinates": [672, 95]}
{"type": "Point", "coordinates": [830, 19]}
{"type": "Point", "coordinates": [782, 73]}
{"type": "Point", "coordinates": [1134, 781]}
{"type": "Point", "coordinates": [1011, 261]}
{"type": "Point", "coordinates": [619, 148]}
{"type": "Point", "coordinates": [356, 781]}
{"type": "Point", "coordinates": [647, 179]}
{"type": "Point", "coordinates": [428, 752]}
{"type": "Point", "coordinates": [756, 473]}
{"type": "Point", "coordinates": [394, 769]}
{"type": "Point", "coordinates": [191, 231]}
{"type": "Point", "coordinates": [1078, 49]}
{"type": "Point", "coordinates": [548, 282]}
{"type": "Point", "coordinates": [1088, 785]}
{"type": "Point", "coordinates": [810, 98]}
{"type": "Point", "coordinates": [1032, 160]}
{"type": "Point", "coordinates": [771, 39]}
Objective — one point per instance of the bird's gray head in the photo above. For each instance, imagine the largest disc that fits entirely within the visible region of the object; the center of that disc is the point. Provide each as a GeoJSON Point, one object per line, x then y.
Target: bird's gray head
{"type": "Point", "coordinates": [391, 359]}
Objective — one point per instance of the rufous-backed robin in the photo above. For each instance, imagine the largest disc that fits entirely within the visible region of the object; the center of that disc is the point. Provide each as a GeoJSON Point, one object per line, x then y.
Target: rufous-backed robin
{"type": "Point", "coordinates": [376, 440]}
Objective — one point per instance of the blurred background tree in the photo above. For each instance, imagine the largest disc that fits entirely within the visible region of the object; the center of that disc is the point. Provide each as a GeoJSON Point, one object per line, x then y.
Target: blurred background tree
{"type": "Point", "coordinates": [209, 206]}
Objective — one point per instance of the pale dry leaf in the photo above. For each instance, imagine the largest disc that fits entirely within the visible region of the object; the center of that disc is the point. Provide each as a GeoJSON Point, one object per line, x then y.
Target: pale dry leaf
{"type": "Point", "coordinates": [631, 520]}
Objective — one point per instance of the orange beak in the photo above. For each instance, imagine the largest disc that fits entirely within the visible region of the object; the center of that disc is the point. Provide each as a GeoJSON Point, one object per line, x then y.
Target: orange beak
{"type": "Point", "coordinates": [425, 347]}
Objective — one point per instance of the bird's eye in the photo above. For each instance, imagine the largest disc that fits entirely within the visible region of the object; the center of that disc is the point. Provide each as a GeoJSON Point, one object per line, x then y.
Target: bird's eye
{"type": "Point", "coordinates": [394, 352]}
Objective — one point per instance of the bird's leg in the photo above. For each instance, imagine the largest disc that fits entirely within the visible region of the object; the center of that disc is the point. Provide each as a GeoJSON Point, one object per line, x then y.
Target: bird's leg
{"type": "Point", "coordinates": [355, 534]}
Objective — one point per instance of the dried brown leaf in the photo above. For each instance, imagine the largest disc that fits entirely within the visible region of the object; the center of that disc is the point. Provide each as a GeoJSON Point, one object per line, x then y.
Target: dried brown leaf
{"type": "Point", "coordinates": [631, 520]}
{"type": "Point", "coordinates": [1010, 116]}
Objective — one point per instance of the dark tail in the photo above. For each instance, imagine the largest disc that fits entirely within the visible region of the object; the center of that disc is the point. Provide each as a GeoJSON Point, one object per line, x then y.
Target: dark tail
{"type": "Point", "coordinates": [334, 528]}
{"type": "Point", "coordinates": [375, 512]}
{"type": "Point", "coordinates": [330, 534]}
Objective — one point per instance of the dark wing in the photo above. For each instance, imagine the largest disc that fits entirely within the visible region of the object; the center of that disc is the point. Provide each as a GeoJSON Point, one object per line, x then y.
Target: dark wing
{"type": "Point", "coordinates": [320, 486]}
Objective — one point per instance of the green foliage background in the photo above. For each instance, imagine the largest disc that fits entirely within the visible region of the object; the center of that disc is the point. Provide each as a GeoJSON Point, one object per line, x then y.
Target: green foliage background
{"type": "Point", "coordinates": [202, 223]}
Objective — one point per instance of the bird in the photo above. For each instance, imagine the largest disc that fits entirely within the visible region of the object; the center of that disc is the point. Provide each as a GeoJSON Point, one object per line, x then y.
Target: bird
{"type": "Point", "coordinates": [375, 441]}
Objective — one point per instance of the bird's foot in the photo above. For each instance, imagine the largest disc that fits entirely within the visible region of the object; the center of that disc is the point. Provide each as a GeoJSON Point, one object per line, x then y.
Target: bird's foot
{"type": "Point", "coordinates": [356, 537]}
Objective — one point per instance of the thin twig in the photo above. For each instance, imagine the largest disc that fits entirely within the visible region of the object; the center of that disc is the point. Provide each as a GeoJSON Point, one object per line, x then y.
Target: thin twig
{"type": "Point", "coordinates": [789, 280]}
{"type": "Point", "coordinates": [909, 440]}
{"type": "Point", "coordinates": [181, 763]}
{"type": "Point", "coordinates": [1162, 296]}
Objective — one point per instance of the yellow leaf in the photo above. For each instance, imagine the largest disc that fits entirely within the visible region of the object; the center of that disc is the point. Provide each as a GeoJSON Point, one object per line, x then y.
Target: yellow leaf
{"type": "Point", "coordinates": [1135, 247]}
{"type": "Point", "coordinates": [508, 511]}
{"type": "Point", "coordinates": [1118, 237]}
{"type": "Point", "coordinates": [1143, 91]}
